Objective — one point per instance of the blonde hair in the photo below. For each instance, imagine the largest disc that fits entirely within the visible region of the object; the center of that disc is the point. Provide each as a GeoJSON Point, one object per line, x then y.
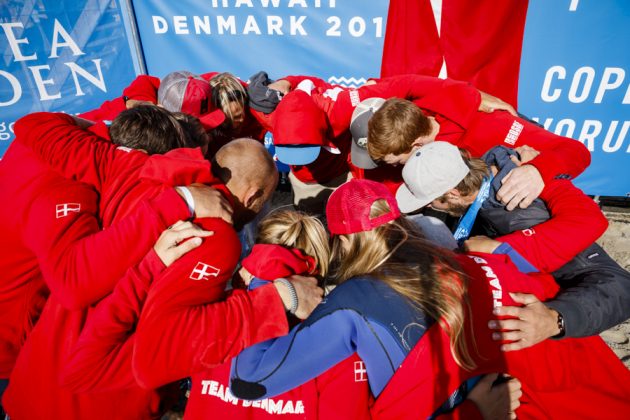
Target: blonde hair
{"type": "Point", "coordinates": [394, 128]}
{"type": "Point", "coordinates": [429, 277]}
{"type": "Point", "coordinates": [295, 229]}
{"type": "Point", "coordinates": [226, 88]}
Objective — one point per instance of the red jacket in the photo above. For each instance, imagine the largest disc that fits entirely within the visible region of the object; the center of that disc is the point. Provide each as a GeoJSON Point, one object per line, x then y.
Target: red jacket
{"type": "Point", "coordinates": [123, 177]}
{"type": "Point", "coordinates": [568, 378]}
{"type": "Point", "coordinates": [340, 393]}
{"type": "Point", "coordinates": [35, 231]}
{"type": "Point", "coordinates": [189, 324]}
{"type": "Point", "coordinates": [576, 222]}
{"type": "Point", "coordinates": [336, 394]}
{"type": "Point", "coordinates": [38, 368]}
{"type": "Point", "coordinates": [462, 124]}
{"type": "Point", "coordinates": [102, 258]}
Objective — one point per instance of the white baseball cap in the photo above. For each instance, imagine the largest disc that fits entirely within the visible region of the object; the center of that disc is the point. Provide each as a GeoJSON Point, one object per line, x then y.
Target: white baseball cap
{"type": "Point", "coordinates": [429, 173]}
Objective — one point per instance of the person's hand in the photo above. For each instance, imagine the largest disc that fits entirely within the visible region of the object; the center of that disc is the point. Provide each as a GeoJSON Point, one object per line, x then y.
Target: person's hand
{"type": "Point", "coordinates": [280, 85]}
{"type": "Point", "coordinates": [531, 324]}
{"type": "Point", "coordinates": [172, 243]}
{"type": "Point", "coordinates": [491, 103]}
{"type": "Point", "coordinates": [246, 276]}
{"type": "Point", "coordinates": [526, 153]}
{"type": "Point", "coordinates": [496, 401]}
{"type": "Point", "coordinates": [369, 82]}
{"type": "Point", "coordinates": [481, 244]}
{"type": "Point", "coordinates": [308, 293]}
{"type": "Point", "coordinates": [209, 202]}
{"type": "Point", "coordinates": [520, 187]}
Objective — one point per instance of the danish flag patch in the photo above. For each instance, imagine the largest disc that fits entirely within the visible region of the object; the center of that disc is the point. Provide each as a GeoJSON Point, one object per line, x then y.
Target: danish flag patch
{"type": "Point", "coordinates": [528, 232]}
{"type": "Point", "coordinates": [204, 271]}
{"type": "Point", "coordinates": [360, 373]}
{"type": "Point", "coordinates": [62, 210]}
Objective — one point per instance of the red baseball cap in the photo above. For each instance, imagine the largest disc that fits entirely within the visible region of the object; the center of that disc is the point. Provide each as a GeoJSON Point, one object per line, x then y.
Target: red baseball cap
{"type": "Point", "coordinates": [348, 208]}
{"type": "Point", "coordinates": [182, 91]}
{"type": "Point", "coordinates": [300, 129]}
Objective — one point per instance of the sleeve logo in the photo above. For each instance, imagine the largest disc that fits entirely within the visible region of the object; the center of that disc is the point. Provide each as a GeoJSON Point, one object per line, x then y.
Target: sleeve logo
{"type": "Point", "coordinates": [62, 210]}
{"type": "Point", "coordinates": [360, 373]}
{"type": "Point", "coordinates": [204, 271]}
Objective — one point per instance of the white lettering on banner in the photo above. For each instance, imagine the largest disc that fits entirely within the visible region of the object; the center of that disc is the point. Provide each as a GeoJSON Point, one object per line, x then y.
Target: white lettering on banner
{"type": "Point", "coordinates": [14, 43]}
{"type": "Point", "coordinates": [271, 406]}
{"type": "Point", "coordinates": [582, 84]}
{"type": "Point", "coordinates": [15, 86]}
{"type": "Point", "coordinates": [40, 73]}
{"type": "Point", "coordinates": [591, 133]}
{"type": "Point", "coordinates": [356, 26]}
{"type": "Point", "coordinates": [271, 3]}
{"type": "Point", "coordinates": [68, 41]}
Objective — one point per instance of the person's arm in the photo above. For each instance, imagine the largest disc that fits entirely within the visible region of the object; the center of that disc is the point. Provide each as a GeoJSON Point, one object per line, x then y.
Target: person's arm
{"type": "Point", "coordinates": [595, 293]}
{"type": "Point", "coordinates": [73, 152]}
{"type": "Point", "coordinates": [101, 358]}
{"type": "Point", "coordinates": [576, 222]}
{"type": "Point", "coordinates": [187, 325]}
{"type": "Point", "coordinates": [80, 262]}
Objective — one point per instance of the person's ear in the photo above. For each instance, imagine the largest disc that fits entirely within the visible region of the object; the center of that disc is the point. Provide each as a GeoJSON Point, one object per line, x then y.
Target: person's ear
{"type": "Point", "coordinates": [453, 193]}
{"type": "Point", "coordinates": [419, 142]}
{"type": "Point", "coordinates": [252, 195]}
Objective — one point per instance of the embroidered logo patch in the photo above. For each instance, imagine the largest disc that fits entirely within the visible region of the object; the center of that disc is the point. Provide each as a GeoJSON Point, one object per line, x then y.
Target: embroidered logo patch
{"type": "Point", "coordinates": [62, 210]}
{"type": "Point", "coordinates": [204, 271]}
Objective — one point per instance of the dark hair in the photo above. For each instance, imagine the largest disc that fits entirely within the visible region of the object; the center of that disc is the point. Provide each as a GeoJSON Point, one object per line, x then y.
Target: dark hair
{"type": "Point", "coordinates": [148, 127]}
{"type": "Point", "coordinates": [196, 134]}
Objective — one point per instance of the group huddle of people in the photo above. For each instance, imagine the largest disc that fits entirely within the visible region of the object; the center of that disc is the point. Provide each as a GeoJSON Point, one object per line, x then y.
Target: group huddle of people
{"type": "Point", "coordinates": [127, 291]}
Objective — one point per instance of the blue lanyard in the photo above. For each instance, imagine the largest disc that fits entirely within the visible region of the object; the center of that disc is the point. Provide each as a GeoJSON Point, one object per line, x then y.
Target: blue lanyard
{"type": "Point", "coordinates": [468, 220]}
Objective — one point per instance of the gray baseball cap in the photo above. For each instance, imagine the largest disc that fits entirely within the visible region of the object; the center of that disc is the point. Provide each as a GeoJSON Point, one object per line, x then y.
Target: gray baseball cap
{"type": "Point", "coordinates": [359, 129]}
{"type": "Point", "coordinates": [429, 173]}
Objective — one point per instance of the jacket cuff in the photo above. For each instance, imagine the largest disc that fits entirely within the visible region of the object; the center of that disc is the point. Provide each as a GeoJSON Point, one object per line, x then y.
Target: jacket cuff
{"type": "Point", "coordinates": [571, 317]}
{"type": "Point", "coordinates": [268, 313]}
{"type": "Point", "coordinates": [170, 207]}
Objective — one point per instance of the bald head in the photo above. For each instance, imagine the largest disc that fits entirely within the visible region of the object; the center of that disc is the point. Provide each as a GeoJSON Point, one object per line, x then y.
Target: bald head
{"type": "Point", "coordinates": [248, 171]}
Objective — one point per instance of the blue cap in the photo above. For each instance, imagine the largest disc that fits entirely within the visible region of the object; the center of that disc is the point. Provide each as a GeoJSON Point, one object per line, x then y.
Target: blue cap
{"type": "Point", "coordinates": [298, 154]}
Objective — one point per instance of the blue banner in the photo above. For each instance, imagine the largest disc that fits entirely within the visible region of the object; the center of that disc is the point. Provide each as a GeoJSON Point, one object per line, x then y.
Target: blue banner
{"type": "Point", "coordinates": [57, 55]}
{"type": "Point", "coordinates": [575, 81]}
{"type": "Point", "coordinates": [338, 40]}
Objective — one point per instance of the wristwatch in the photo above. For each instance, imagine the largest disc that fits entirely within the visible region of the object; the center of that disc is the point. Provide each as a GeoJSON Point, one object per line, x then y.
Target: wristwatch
{"type": "Point", "coordinates": [561, 326]}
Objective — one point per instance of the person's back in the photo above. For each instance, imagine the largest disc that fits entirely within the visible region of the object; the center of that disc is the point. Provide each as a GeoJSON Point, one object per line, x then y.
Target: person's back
{"type": "Point", "coordinates": [22, 290]}
{"type": "Point", "coordinates": [77, 152]}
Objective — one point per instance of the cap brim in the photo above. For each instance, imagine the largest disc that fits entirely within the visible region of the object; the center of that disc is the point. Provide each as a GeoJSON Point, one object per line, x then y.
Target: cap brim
{"type": "Point", "coordinates": [407, 202]}
{"type": "Point", "coordinates": [361, 158]}
{"type": "Point", "coordinates": [212, 119]}
{"type": "Point", "coordinates": [297, 155]}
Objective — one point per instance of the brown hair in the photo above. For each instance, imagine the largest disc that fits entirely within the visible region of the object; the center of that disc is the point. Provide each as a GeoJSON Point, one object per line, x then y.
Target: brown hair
{"type": "Point", "coordinates": [429, 277]}
{"type": "Point", "coordinates": [150, 128]}
{"type": "Point", "coordinates": [473, 180]}
{"type": "Point", "coordinates": [295, 229]}
{"type": "Point", "coordinates": [394, 127]}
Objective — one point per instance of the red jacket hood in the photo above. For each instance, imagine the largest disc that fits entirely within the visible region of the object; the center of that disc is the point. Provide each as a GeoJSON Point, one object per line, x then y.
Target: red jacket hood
{"type": "Point", "coordinates": [268, 261]}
